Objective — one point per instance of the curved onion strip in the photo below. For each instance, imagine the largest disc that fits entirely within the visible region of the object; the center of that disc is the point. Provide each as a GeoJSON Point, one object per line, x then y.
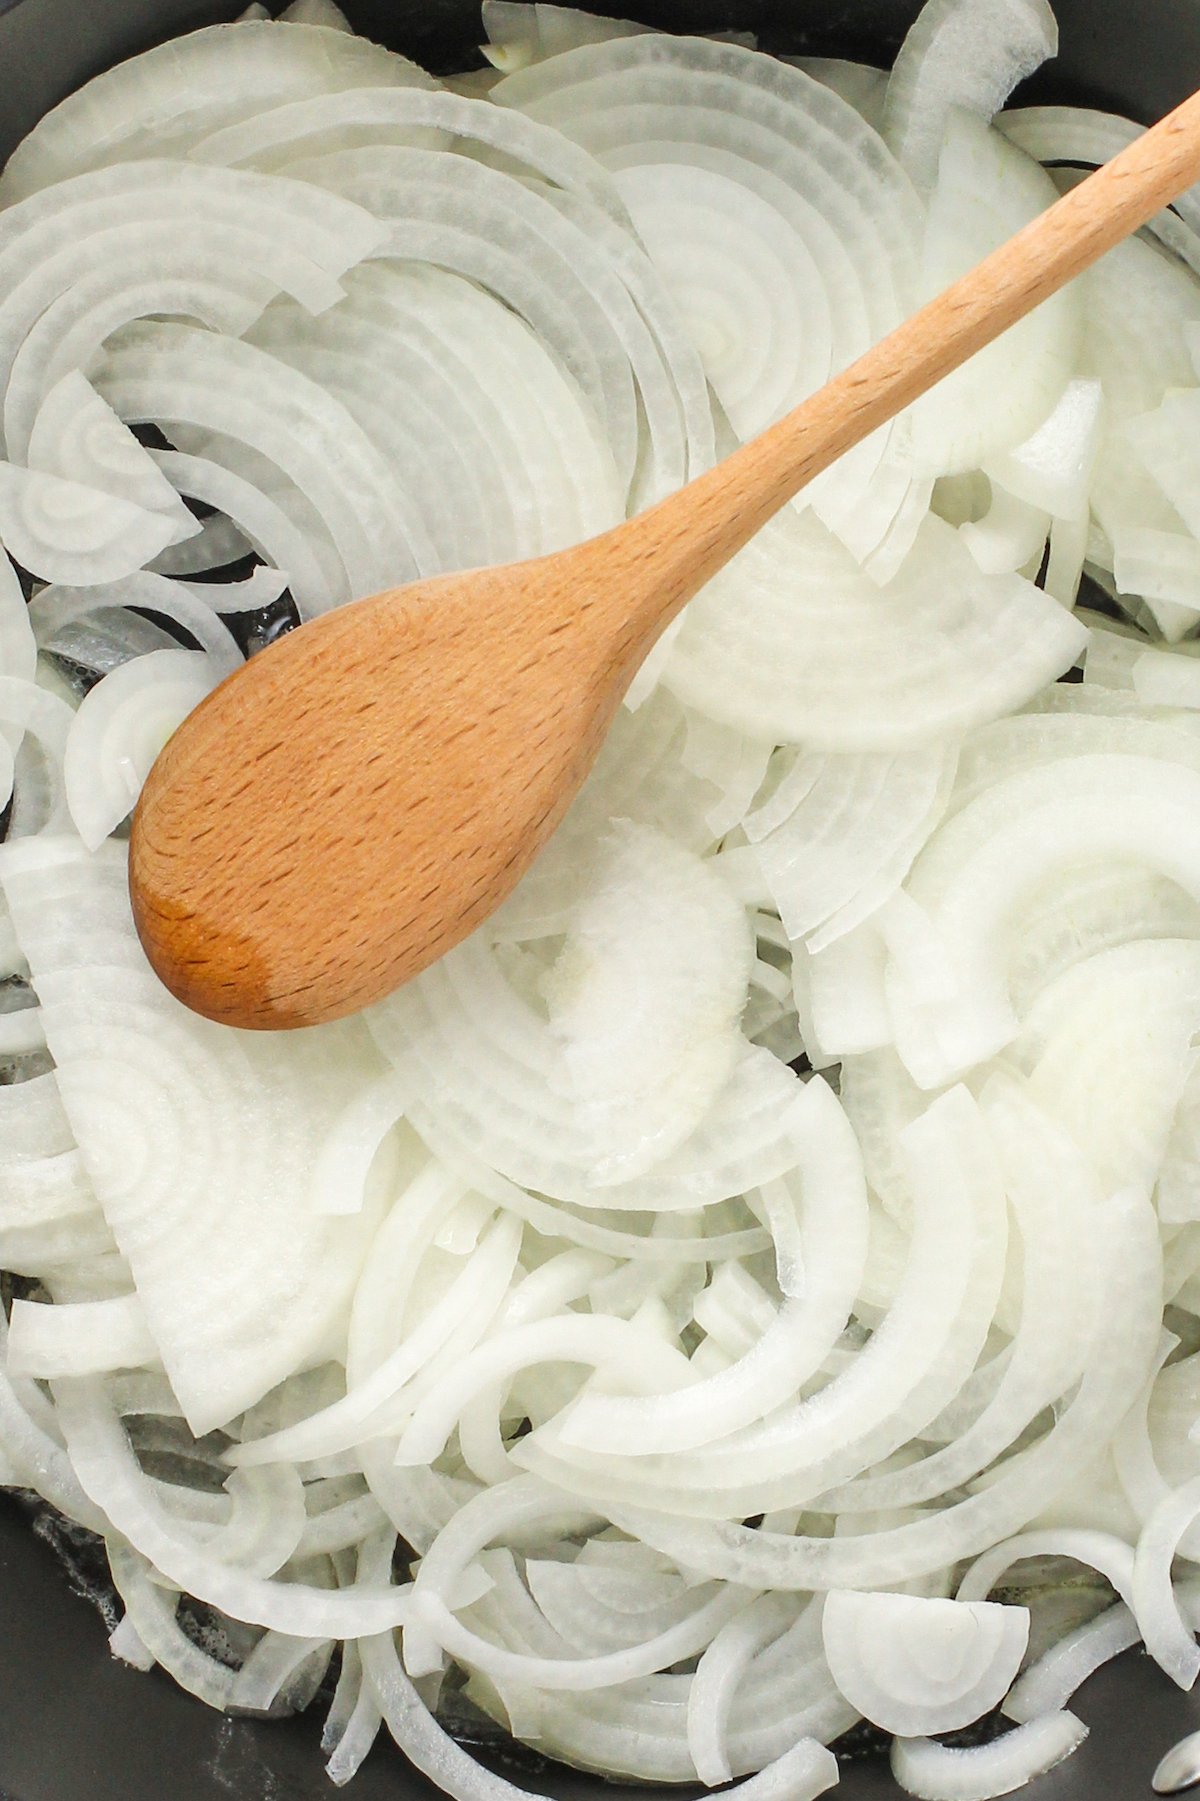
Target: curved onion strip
{"type": "Point", "coordinates": [281, 1675]}
{"type": "Point", "coordinates": [564, 1278]}
{"type": "Point", "coordinates": [794, 1453]}
{"type": "Point", "coordinates": [1078, 134]}
{"type": "Point", "coordinates": [893, 1554]}
{"type": "Point", "coordinates": [611, 1345]}
{"type": "Point", "coordinates": [914, 1664]}
{"type": "Point", "coordinates": [314, 575]}
{"type": "Point", "coordinates": [936, 1772]}
{"type": "Point", "coordinates": [1051, 1192]}
{"type": "Point", "coordinates": [65, 532]}
{"type": "Point", "coordinates": [151, 1611]}
{"type": "Point", "coordinates": [859, 84]}
{"type": "Point", "coordinates": [76, 435]}
{"type": "Point", "coordinates": [586, 91]}
{"type": "Point", "coordinates": [266, 1521]}
{"type": "Point", "coordinates": [960, 53]}
{"type": "Point", "coordinates": [851, 838]}
{"type": "Point", "coordinates": [898, 667]}
{"type": "Point", "coordinates": [683, 96]}
{"type": "Point", "coordinates": [170, 375]}
{"type": "Point", "coordinates": [57, 606]}
{"type": "Point", "coordinates": [140, 1076]}
{"type": "Point", "coordinates": [120, 729]}
{"type": "Point", "coordinates": [218, 544]}
{"type": "Point", "coordinates": [475, 1295]}
{"type": "Point", "coordinates": [1049, 1683]}
{"type": "Point", "coordinates": [1168, 1636]}
{"type": "Point", "coordinates": [40, 723]}
{"type": "Point", "coordinates": [1125, 807]}
{"type": "Point", "coordinates": [718, 1673]}
{"type": "Point", "coordinates": [225, 75]}
{"type": "Point", "coordinates": [986, 191]}
{"type": "Point", "coordinates": [1052, 470]}
{"type": "Point", "coordinates": [1100, 1550]}
{"type": "Point", "coordinates": [108, 1471]}
{"type": "Point", "coordinates": [525, 443]}
{"type": "Point", "coordinates": [575, 1673]}
{"type": "Point", "coordinates": [793, 1347]}
{"type": "Point", "coordinates": [482, 223]}
{"type": "Point", "coordinates": [310, 127]}
{"type": "Point", "coordinates": [134, 210]}
{"type": "Point", "coordinates": [468, 1040]}
{"type": "Point", "coordinates": [80, 1338]}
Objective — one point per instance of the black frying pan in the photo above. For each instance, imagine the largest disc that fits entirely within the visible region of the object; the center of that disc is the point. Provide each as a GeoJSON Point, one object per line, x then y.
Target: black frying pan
{"type": "Point", "coordinates": [74, 1725]}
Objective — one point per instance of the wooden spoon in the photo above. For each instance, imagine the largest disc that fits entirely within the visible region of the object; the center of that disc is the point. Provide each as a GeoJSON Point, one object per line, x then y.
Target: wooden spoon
{"type": "Point", "coordinates": [358, 798]}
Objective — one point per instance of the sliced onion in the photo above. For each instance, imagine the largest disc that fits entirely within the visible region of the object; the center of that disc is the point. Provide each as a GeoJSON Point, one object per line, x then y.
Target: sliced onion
{"type": "Point", "coordinates": [1169, 1637]}
{"type": "Point", "coordinates": [646, 103]}
{"type": "Point", "coordinates": [847, 843]}
{"type": "Point", "coordinates": [914, 1665]}
{"type": "Point", "coordinates": [78, 437]}
{"type": "Point", "coordinates": [986, 191]}
{"type": "Point", "coordinates": [80, 1338]}
{"type": "Point", "coordinates": [566, 1279]}
{"type": "Point", "coordinates": [226, 73]}
{"type": "Point", "coordinates": [1077, 134]}
{"type": "Point", "coordinates": [899, 665]}
{"type": "Point", "coordinates": [520, 34]}
{"type": "Point", "coordinates": [938, 1773]}
{"type": "Point", "coordinates": [139, 1075]}
{"type": "Point", "coordinates": [66, 532]}
{"type": "Point", "coordinates": [57, 313]}
{"type": "Point", "coordinates": [960, 53]}
{"type": "Point", "coordinates": [150, 1611]}
{"type": "Point", "coordinates": [647, 1086]}
{"type": "Point", "coordinates": [1133, 813]}
{"type": "Point", "coordinates": [109, 1472]}
{"type": "Point", "coordinates": [1050, 1682]}
{"type": "Point", "coordinates": [1052, 470]}
{"type": "Point", "coordinates": [862, 86]}
{"type": "Point", "coordinates": [120, 729]}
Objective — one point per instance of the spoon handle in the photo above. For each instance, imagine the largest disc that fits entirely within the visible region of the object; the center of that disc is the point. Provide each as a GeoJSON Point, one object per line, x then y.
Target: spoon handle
{"type": "Point", "coordinates": [689, 536]}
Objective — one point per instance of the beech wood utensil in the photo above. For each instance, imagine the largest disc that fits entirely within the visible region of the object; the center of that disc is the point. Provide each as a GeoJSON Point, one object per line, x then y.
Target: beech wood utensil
{"type": "Point", "coordinates": [359, 797]}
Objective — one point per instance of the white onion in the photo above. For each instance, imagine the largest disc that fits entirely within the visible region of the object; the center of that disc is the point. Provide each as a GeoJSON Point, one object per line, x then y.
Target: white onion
{"type": "Point", "coordinates": [1050, 1682]}
{"type": "Point", "coordinates": [78, 437]}
{"type": "Point", "coordinates": [915, 1665]}
{"type": "Point", "coordinates": [695, 1386]}
{"type": "Point", "coordinates": [940, 648]}
{"type": "Point", "coordinates": [119, 730]}
{"type": "Point", "coordinates": [80, 1338]}
{"type": "Point", "coordinates": [65, 531]}
{"type": "Point", "coordinates": [936, 1773]}
{"type": "Point", "coordinates": [643, 104]}
{"type": "Point", "coordinates": [139, 1075]}
{"type": "Point", "coordinates": [226, 74]}
{"type": "Point", "coordinates": [960, 53]}
{"type": "Point", "coordinates": [648, 1038]}
{"type": "Point", "coordinates": [986, 191]}
{"type": "Point", "coordinates": [520, 34]}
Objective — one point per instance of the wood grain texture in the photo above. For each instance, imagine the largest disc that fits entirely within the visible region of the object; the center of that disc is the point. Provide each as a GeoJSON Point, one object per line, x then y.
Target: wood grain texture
{"type": "Point", "coordinates": [358, 798]}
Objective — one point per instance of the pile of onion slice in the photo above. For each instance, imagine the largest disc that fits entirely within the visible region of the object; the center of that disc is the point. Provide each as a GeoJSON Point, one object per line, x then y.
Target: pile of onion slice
{"type": "Point", "coordinates": [753, 1284]}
